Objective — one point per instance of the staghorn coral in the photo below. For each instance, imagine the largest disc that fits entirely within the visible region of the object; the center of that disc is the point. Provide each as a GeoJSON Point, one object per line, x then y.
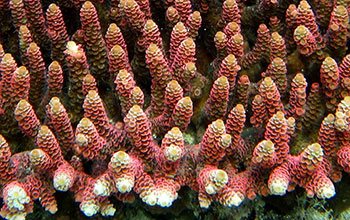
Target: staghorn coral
{"type": "Point", "coordinates": [159, 101]}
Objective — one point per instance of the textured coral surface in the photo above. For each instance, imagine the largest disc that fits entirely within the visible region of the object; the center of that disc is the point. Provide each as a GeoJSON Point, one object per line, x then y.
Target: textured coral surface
{"type": "Point", "coordinates": [179, 109]}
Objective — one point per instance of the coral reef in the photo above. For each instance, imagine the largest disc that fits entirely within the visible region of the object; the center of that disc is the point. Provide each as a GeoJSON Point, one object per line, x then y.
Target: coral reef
{"type": "Point", "coordinates": [218, 104]}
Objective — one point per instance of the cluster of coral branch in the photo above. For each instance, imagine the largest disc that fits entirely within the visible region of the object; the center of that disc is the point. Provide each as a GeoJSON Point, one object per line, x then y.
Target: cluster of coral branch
{"type": "Point", "coordinates": [144, 97]}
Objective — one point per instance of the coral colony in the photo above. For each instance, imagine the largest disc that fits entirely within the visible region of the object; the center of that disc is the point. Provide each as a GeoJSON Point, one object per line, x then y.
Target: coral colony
{"type": "Point", "coordinates": [135, 109]}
